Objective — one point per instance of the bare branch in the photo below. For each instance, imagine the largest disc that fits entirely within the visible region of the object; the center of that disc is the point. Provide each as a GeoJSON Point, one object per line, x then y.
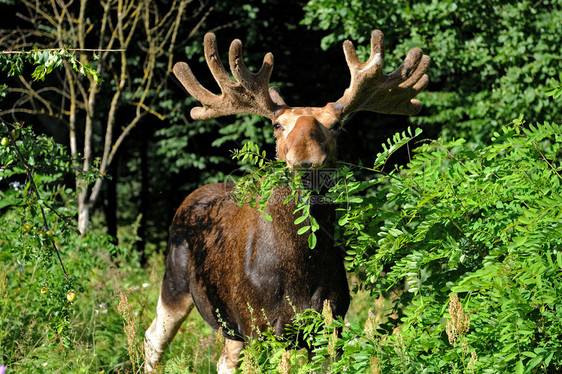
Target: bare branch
{"type": "Point", "coordinates": [62, 49]}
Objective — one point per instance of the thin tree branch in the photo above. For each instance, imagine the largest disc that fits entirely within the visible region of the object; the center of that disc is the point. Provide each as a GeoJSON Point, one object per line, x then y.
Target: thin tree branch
{"type": "Point", "coordinates": [61, 49]}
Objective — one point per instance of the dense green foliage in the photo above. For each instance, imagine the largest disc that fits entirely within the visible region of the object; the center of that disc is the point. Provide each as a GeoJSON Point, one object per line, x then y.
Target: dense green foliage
{"type": "Point", "coordinates": [32, 230]}
{"type": "Point", "coordinates": [490, 59]}
{"type": "Point", "coordinates": [483, 223]}
{"type": "Point", "coordinates": [38, 242]}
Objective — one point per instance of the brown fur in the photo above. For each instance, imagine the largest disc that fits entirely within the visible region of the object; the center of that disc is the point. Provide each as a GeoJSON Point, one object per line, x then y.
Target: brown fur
{"type": "Point", "coordinates": [232, 261]}
{"type": "Point", "coordinates": [305, 136]}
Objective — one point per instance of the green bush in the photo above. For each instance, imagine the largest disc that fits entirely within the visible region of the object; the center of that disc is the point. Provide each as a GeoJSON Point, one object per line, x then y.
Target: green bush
{"type": "Point", "coordinates": [484, 224]}
{"type": "Point", "coordinates": [43, 259]}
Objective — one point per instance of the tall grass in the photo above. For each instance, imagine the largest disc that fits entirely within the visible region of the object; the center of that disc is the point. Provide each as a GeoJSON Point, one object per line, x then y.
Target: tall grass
{"type": "Point", "coordinates": [106, 329]}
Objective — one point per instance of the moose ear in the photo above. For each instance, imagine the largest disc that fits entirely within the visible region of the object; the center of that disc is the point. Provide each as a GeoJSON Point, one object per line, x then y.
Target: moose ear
{"type": "Point", "coordinates": [275, 94]}
{"type": "Point", "coordinates": [248, 94]}
{"type": "Point", "coordinates": [372, 90]}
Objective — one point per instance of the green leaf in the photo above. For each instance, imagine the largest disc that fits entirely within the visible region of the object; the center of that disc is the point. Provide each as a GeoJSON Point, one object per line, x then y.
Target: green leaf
{"type": "Point", "coordinates": [343, 220]}
{"type": "Point", "coordinates": [395, 232]}
{"type": "Point", "coordinates": [312, 240]}
{"type": "Point", "coordinates": [549, 358]}
{"type": "Point", "coordinates": [303, 229]}
{"type": "Point", "coordinates": [314, 224]}
{"type": "Point", "coordinates": [534, 362]}
{"type": "Point", "coordinates": [519, 368]}
{"type": "Point", "coordinates": [300, 219]}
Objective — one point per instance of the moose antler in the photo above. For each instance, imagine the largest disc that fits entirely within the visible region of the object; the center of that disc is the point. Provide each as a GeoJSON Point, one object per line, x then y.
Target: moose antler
{"type": "Point", "coordinates": [370, 89]}
{"type": "Point", "coordinates": [249, 94]}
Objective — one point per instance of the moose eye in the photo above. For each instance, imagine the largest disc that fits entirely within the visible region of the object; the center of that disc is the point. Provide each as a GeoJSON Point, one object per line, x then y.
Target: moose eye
{"type": "Point", "coordinates": [336, 128]}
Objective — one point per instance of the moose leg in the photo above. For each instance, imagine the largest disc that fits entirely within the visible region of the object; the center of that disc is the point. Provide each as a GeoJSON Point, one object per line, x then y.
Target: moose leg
{"type": "Point", "coordinates": [163, 329]}
{"type": "Point", "coordinates": [228, 361]}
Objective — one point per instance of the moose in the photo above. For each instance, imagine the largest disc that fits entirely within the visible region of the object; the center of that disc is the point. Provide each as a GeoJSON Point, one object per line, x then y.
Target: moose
{"type": "Point", "coordinates": [222, 258]}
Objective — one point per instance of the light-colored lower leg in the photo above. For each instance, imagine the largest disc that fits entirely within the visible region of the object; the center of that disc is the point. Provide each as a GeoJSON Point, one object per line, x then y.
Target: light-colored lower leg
{"type": "Point", "coordinates": [228, 361]}
{"type": "Point", "coordinates": [163, 329]}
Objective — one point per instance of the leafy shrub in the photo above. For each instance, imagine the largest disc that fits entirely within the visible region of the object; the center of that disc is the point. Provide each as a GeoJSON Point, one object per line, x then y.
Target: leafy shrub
{"type": "Point", "coordinates": [38, 242]}
{"type": "Point", "coordinates": [42, 330]}
{"type": "Point", "coordinates": [47, 270]}
{"type": "Point", "coordinates": [484, 224]}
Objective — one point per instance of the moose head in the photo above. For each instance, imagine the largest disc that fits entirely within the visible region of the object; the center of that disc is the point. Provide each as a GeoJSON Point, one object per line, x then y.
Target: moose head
{"type": "Point", "coordinates": [306, 136]}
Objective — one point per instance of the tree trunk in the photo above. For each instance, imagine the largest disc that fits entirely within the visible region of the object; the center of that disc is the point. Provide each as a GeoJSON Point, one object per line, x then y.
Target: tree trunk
{"type": "Point", "coordinates": [83, 207]}
{"type": "Point", "coordinates": [144, 202]}
{"type": "Point", "coordinates": [110, 207]}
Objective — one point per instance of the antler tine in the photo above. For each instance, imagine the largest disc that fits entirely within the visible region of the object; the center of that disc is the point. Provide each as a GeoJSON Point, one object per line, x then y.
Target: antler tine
{"type": "Point", "coordinates": [370, 89]}
{"type": "Point", "coordinates": [250, 92]}
{"type": "Point", "coordinates": [214, 62]}
{"type": "Point", "coordinates": [258, 82]}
